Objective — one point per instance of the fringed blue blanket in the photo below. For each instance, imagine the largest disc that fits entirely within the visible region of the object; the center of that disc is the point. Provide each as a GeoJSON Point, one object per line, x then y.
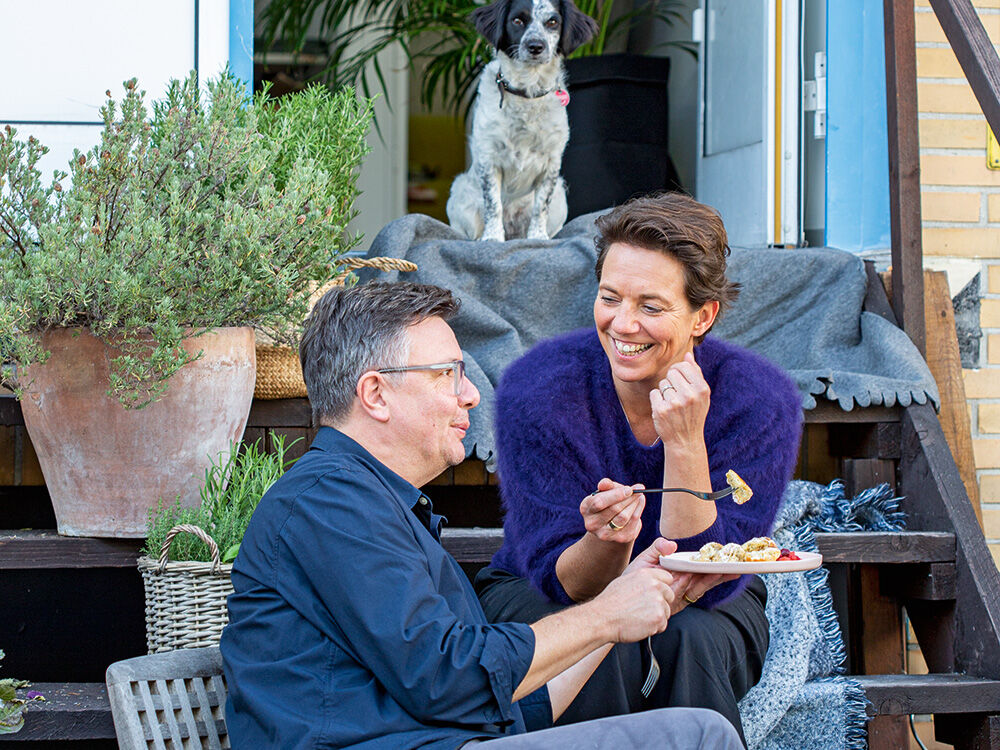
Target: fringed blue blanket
{"type": "Point", "coordinates": [803, 701]}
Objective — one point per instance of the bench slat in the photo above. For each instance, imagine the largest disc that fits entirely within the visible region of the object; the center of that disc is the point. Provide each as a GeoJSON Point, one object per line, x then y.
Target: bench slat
{"type": "Point", "coordinates": [900, 694]}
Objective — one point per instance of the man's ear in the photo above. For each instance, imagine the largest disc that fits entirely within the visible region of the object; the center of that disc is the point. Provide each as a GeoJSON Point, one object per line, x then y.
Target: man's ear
{"type": "Point", "coordinates": [489, 21]}
{"type": "Point", "coordinates": [578, 28]}
{"type": "Point", "coordinates": [706, 317]}
{"type": "Point", "coordinates": [371, 394]}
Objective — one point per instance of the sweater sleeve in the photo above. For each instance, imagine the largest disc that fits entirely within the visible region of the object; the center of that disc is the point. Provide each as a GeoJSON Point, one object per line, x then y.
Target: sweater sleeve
{"type": "Point", "coordinates": [546, 468]}
{"type": "Point", "coordinates": [754, 428]}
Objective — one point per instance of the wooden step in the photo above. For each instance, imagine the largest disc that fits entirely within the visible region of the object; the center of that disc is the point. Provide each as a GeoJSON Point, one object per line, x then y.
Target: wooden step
{"type": "Point", "coordinates": [901, 694]}
{"type": "Point", "coordinates": [70, 711]}
{"type": "Point", "coordinates": [76, 711]}
{"type": "Point", "coordinates": [27, 550]}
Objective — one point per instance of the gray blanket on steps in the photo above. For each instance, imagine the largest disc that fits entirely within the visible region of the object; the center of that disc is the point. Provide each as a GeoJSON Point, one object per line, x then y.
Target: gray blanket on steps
{"type": "Point", "coordinates": [799, 308]}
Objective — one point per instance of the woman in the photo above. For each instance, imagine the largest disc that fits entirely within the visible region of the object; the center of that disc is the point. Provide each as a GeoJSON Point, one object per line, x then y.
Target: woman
{"type": "Point", "coordinates": [585, 421]}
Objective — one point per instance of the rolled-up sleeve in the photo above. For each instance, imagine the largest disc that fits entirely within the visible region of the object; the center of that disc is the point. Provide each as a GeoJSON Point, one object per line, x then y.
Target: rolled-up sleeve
{"type": "Point", "coordinates": [374, 594]}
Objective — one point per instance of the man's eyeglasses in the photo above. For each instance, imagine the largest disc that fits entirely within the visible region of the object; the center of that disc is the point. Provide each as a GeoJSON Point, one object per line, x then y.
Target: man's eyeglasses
{"type": "Point", "coordinates": [456, 370]}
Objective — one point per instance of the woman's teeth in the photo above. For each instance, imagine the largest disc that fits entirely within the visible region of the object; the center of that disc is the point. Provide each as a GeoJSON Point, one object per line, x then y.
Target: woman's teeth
{"type": "Point", "coordinates": [631, 348]}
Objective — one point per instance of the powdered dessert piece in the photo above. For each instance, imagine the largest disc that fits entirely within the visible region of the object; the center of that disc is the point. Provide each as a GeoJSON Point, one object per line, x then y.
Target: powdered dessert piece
{"type": "Point", "coordinates": [741, 490]}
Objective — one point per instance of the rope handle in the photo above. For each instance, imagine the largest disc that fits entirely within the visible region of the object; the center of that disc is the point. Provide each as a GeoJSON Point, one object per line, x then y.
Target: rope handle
{"type": "Point", "coordinates": [199, 532]}
{"type": "Point", "coordinates": [350, 263]}
{"type": "Point", "coordinates": [382, 264]}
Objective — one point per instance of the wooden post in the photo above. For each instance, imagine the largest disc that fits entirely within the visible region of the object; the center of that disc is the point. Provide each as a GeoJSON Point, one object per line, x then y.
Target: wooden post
{"type": "Point", "coordinates": [904, 168]}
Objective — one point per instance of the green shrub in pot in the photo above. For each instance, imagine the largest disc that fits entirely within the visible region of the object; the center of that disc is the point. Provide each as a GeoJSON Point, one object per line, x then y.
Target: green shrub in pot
{"type": "Point", "coordinates": [204, 212]}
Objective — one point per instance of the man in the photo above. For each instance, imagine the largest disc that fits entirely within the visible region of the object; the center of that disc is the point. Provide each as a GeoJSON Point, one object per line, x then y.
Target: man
{"type": "Point", "coordinates": [350, 626]}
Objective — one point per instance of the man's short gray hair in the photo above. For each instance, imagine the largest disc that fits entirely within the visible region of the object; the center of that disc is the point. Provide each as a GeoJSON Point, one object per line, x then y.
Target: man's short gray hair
{"type": "Point", "coordinates": [352, 330]}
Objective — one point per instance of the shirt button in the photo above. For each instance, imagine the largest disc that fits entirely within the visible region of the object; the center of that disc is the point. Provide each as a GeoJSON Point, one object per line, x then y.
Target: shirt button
{"type": "Point", "coordinates": [423, 501]}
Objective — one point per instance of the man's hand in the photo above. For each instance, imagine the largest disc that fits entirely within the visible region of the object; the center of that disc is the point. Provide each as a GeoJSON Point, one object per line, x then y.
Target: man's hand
{"type": "Point", "coordinates": [614, 512]}
{"type": "Point", "coordinates": [687, 587]}
{"type": "Point", "coordinates": [636, 605]}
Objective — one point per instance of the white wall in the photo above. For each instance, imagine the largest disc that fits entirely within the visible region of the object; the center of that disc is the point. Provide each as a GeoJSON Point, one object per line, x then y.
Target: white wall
{"type": "Point", "coordinates": [55, 89]}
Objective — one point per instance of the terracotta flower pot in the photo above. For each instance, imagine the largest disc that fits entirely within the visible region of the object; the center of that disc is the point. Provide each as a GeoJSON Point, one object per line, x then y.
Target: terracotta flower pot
{"type": "Point", "coordinates": [105, 466]}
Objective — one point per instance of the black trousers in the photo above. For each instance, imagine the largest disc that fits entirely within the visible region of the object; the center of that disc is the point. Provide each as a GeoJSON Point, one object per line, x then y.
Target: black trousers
{"type": "Point", "coordinates": [708, 658]}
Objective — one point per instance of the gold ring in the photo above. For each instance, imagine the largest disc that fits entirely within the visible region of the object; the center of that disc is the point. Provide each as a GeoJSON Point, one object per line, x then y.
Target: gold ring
{"type": "Point", "coordinates": [613, 526]}
{"type": "Point", "coordinates": [688, 599]}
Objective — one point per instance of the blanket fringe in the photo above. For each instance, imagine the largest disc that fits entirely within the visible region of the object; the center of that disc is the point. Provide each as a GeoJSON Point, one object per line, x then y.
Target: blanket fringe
{"type": "Point", "coordinates": [822, 600]}
{"type": "Point", "coordinates": [856, 731]}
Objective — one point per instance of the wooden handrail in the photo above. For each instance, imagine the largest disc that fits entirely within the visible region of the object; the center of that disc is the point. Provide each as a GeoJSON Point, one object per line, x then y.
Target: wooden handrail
{"type": "Point", "coordinates": [935, 500]}
{"type": "Point", "coordinates": [975, 52]}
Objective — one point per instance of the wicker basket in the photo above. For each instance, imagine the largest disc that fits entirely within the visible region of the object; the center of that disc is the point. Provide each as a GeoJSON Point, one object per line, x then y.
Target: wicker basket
{"type": "Point", "coordinates": [185, 601]}
{"type": "Point", "coordinates": [279, 372]}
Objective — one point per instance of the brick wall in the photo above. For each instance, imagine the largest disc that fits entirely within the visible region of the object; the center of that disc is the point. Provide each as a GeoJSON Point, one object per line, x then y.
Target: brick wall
{"type": "Point", "coordinates": [960, 201]}
{"type": "Point", "coordinates": [961, 217]}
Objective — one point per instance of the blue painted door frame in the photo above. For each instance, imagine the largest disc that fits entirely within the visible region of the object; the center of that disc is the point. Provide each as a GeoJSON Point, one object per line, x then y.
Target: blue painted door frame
{"type": "Point", "coordinates": [857, 150]}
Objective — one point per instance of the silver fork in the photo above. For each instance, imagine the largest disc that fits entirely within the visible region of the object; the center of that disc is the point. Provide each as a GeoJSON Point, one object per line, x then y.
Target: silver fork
{"type": "Point", "coordinates": [654, 670]}
{"type": "Point", "coordinates": [703, 495]}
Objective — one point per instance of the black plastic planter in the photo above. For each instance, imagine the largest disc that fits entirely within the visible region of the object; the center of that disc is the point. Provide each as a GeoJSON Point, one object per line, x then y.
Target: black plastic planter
{"type": "Point", "coordinates": [618, 131]}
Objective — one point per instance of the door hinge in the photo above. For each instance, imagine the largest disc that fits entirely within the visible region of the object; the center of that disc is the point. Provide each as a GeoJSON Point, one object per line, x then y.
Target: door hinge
{"type": "Point", "coordinates": [814, 95]}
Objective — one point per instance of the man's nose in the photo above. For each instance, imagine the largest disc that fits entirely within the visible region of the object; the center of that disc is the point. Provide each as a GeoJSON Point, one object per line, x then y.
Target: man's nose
{"type": "Point", "coordinates": [469, 397]}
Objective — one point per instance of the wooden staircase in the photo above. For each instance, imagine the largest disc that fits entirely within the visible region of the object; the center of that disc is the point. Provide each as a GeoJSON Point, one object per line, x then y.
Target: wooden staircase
{"type": "Point", "coordinates": [939, 570]}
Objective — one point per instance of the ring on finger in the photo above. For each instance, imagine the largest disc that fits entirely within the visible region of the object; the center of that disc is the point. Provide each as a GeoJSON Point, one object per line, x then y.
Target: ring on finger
{"type": "Point", "coordinates": [667, 387]}
{"type": "Point", "coordinates": [688, 599]}
{"type": "Point", "coordinates": [613, 526]}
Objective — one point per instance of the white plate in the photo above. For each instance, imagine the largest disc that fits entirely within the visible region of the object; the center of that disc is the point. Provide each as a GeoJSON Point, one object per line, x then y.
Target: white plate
{"type": "Point", "coordinates": [682, 562]}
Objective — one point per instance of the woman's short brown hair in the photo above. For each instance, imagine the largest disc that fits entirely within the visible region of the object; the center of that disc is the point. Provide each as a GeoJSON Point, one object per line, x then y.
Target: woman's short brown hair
{"type": "Point", "coordinates": [681, 227]}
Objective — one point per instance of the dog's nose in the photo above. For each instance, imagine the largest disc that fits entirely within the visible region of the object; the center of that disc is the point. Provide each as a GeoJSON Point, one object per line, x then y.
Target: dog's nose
{"type": "Point", "coordinates": [535, 48]}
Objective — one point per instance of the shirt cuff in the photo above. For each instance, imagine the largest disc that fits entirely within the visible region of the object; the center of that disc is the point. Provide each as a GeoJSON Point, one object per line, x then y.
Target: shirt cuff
{"type": "Point", "coordinates": [506, 658]}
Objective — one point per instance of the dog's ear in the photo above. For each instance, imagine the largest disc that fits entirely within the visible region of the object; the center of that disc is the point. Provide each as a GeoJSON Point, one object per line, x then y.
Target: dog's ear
{"type": "Point", "coordinates": [489, 21]}
{"type": "Point", "coordinates": [578, 28]}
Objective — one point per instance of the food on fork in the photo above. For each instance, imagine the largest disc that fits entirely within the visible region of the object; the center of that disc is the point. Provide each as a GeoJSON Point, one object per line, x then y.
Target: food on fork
{"type": "Point", "coordinates": [741, 490]}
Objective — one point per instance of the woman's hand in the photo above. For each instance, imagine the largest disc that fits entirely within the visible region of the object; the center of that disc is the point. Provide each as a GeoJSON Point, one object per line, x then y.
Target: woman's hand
{"type": "Point", "coordinates": [680, 405]}
{"type": "Point", "coordinates": [614, 512]}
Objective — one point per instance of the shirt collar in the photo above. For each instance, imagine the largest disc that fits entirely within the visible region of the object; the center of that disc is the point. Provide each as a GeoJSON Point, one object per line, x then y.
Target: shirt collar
{"type": "Point", "coordinates": [332, 440]}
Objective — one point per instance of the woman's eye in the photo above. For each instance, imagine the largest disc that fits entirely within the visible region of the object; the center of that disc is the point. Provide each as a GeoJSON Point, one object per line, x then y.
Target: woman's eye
{"type": "Point", "coordinates": [651, 309]}
{"type": "Point", "coordinates": [609, 300]}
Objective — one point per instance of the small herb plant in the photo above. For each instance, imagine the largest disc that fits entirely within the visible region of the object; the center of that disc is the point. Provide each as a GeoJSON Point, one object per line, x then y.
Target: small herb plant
{"type": "Point", "coordinates": [229, 495]}
{"type": "Point", "coordinates": [207, 211]}
{"type": "Point", "coordinates": [12, 707]}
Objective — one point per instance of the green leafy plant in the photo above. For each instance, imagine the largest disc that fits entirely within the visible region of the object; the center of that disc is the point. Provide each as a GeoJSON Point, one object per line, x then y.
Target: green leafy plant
{"type": "Point", "coordinates": [435, 31]}
{"type": "Point", "coordinates": [12, 707]}
{"type": "Point", "coordinates": [205, 212]}
{"type": "Point", "coordinates": [233, 486]}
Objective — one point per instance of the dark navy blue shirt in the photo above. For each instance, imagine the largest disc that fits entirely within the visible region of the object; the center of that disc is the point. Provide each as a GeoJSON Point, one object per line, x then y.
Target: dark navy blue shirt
{"type": "Point", "coordinates": [351, 626]}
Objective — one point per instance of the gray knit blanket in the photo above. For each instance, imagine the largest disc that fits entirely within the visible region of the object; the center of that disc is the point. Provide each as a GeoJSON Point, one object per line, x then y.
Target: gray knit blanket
{"type": "Point", "coordinates": [799, 308]}
{"type": "Point", "coordinates": [803, 701]}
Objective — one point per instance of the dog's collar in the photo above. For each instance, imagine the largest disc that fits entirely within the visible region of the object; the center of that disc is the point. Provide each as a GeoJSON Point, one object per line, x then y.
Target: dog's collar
{"type": "Point", "coordinates": [504, 87]}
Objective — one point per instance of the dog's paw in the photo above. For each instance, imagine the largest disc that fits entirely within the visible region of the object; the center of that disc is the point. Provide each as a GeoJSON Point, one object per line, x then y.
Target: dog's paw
{"type": "Point", "coordinates": [538, 233]}
{"type": "Point", "coordinates": [493, 235]}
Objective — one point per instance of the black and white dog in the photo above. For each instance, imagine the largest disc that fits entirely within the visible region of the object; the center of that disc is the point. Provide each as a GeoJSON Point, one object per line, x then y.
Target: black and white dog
{"type": "Point", "coordinates": [519, 125]}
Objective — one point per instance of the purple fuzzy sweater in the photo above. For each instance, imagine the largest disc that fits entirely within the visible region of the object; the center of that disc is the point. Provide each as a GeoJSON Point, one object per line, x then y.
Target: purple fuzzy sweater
{"type": "Point", "coordinates": [560, 428]}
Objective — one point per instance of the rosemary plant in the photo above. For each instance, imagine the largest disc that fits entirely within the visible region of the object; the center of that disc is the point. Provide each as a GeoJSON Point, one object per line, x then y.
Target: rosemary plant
{"type": "Point", "coordinates": [204, 212]}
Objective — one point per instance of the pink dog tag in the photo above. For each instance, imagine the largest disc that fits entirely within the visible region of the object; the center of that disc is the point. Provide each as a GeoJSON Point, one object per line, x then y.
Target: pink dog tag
{"type": "Point", "coordinates": [562, 96]}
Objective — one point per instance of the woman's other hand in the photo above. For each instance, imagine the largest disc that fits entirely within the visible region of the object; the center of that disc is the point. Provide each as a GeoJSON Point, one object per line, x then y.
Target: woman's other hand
{"type": "Point", "coordinates": [614, 512]}
{"type": "Point", "coordinates": [680, 406]}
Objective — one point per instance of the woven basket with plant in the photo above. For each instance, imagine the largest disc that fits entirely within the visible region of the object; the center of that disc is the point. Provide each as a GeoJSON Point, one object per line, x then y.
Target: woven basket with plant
{"type": "Point", "coordinates": [279, 372]}
{"type": "Point", "coordinates": [188, 555]}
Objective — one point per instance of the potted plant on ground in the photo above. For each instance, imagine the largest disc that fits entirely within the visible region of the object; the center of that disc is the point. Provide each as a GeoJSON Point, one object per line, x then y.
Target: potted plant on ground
{"type": "Point", "coordinates": [150, 262]}
{"type": "Point", "coordinates": [188, 554]}
{"type": "Point", "coordinates": [612, 153]}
